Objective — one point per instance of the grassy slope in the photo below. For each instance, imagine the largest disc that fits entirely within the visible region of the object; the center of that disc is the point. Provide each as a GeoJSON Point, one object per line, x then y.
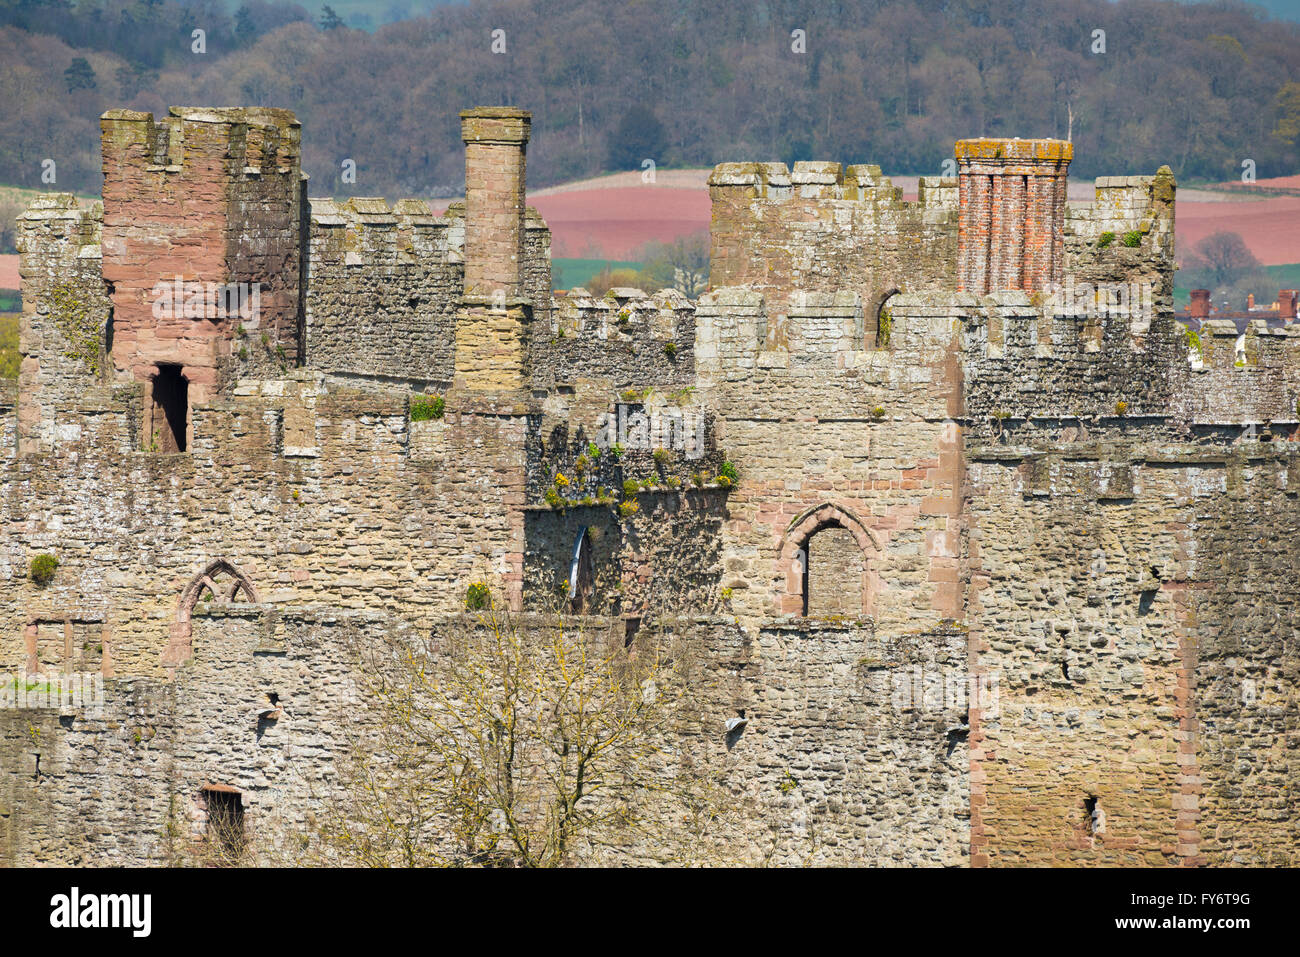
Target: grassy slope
{"type": "Point", "coordinates": [9, 346]}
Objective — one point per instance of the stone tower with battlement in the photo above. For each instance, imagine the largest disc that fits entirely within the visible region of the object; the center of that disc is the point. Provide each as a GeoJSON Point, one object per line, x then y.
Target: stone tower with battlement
{"type": "Point", "coordinates": [202, 251]}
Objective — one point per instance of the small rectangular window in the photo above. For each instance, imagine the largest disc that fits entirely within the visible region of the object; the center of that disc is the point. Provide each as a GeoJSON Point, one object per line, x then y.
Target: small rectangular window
{"type": "Point", "coordinates": [170, 410]}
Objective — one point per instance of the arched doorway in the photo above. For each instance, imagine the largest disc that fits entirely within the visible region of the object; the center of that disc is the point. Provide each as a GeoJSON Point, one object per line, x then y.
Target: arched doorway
{"type": "Point", "coordinates": [826, 564]}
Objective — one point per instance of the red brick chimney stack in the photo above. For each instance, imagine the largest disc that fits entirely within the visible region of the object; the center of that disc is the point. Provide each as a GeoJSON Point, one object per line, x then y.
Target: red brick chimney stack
{"type": "Point", "coordinates": [1286, 304]}
{"type": "Point", "coordinates": [1012, 213]}
{"type": "Point", "coordinates": [1200, 305]}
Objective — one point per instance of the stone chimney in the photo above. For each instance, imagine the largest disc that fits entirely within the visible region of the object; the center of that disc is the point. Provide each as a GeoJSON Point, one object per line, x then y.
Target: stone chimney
{"type": "Point", "coordinates": [1286, 304]}
{"type": "Point", "coordinates": [492, 329]}
{"type": "Point", "coordinates": [1011, 216]}
{"type": "Point", "coordinates": [496, 141]}
{"type": "Point", "coordinates": [1200, 304]}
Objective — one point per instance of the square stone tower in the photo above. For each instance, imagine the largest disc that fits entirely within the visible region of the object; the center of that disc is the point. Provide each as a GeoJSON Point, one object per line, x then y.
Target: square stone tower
{"type": "Point", "coordinates": [202, 251]}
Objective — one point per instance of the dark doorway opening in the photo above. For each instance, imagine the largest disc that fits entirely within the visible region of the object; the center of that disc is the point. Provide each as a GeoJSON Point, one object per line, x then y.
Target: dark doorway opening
{"type": "Point", "coordinates": [225, 822]}
{"type": "Point", "coordinates": [171, 405]}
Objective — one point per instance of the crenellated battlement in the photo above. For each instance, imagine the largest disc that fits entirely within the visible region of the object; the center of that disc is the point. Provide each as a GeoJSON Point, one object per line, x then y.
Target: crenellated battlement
{"type": "Point", "coordinates": [250, 141]}
{"type": "Point", "coordinates": [1232, 377]}
{"type": "Point", "coordinates": [1126, 235]}
{"type": "Point", "coordinates": [364, 232]}
{"type": "Point", "coordinates": [863, 183]}
{"type": "Point", "coordinates": [963, 432]}
{"type": "Point", "coordinates": [822, 227]}
{"type": "Point", "coordinates": [1125, 203]}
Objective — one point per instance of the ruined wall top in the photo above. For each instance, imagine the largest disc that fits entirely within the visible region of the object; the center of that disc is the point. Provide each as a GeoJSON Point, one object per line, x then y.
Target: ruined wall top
{"type": "Point", "coordinates": [260, 137]}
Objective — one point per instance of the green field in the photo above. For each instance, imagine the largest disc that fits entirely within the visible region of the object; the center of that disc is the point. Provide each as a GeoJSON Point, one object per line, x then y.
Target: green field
{"type": "Point", "coordinates": [1286, 277]}
{"type": "Point", "coordinates": [378, 11]}
{"type": "Point", "coordinates": [567, 273]}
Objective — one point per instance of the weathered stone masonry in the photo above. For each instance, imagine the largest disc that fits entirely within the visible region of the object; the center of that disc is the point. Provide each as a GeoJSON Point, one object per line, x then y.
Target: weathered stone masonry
{"type": "Point", "coordinates": [972, 444]}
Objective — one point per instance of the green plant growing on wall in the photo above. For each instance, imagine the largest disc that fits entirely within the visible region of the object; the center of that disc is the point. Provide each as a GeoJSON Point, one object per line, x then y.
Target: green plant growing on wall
{"type": "Point", "coordinates": [698, 479]}
{"type": "Point", "coordinates": [425, 407]}
{"type": "Point", "coordinates": [1105, 239]}
{"type": "Point", "coordinates": [1121, 408]}
{"type": "Point", "coordinates": [878, 413]}
{"type": "Point", "coordinates": [478, 596]}
{"type": "Point", "coordinates": [593, 450]}
{"type": "Point", "coordinates": [616, 451]}
{"type": "Point", "coordinates": [628, 509]}
{"type": "Point", "coordinates": [42, 569]}
{"type": "Point", "coordinates": [553, 498]}
{"type": "Point", "coordinates": [1133, 239]}
{"type": "Point", "coordinates": [79, 326]}
{"type": "Point", "coordinates": [728, 471]}
{"type": "Point", "coordinates": [670, 349]}
{"type": "Point", "coordinates": [660, 456]}
{"type": "Point", "coordinates": [788, 782]}
{"type": "Point", "coordinates": [630, 488]}
{"type": "Point", "coordinates": [886, 328]}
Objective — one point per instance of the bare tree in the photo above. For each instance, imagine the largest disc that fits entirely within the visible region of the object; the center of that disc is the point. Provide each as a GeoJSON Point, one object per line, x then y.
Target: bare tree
{"type": "Point", "coordinates": [682, 264]}
{"type": "Point", "coordinates": [1220, 260]}
{"type": "Point", "coordinates": [1223, 264]}
{"type": "Point", "coordinates": [507, 742]}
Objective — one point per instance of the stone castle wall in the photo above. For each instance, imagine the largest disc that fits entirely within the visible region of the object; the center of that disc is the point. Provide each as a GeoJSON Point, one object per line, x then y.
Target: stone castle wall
{"type": "Point", "coordinates": [270, 698]}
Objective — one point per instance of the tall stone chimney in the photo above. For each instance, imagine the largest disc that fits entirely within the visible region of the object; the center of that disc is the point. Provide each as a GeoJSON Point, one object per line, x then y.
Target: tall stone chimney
{"type": "Point", "coordinates": [491, 332]}
{"type": "Point", "coordinates": [1011, 216]}
{"type": "Point", "coordinates": [496, 141]}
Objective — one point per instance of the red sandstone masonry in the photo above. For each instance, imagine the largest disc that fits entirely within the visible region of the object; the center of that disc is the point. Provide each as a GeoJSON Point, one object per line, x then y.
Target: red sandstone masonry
{"type": "Point", "coordinates": [496, 141]}
{"type": "Point", "coordinates": [211, 196]}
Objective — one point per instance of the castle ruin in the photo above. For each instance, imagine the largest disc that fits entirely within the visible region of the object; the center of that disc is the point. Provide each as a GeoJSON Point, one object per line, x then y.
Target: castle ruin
{"type": "Point", "coordinates": [973, 447]}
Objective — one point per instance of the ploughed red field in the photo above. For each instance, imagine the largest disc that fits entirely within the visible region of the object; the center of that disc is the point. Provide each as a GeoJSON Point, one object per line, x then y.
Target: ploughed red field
{"type": "Point", "coordinates": [8, 272]}
{"type": "Point", "coordinates": [614, 217]}
{"type": "Point", "coordinates": [1270, 227]}
{"type": "Point", "coordinates": [613, 221]}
